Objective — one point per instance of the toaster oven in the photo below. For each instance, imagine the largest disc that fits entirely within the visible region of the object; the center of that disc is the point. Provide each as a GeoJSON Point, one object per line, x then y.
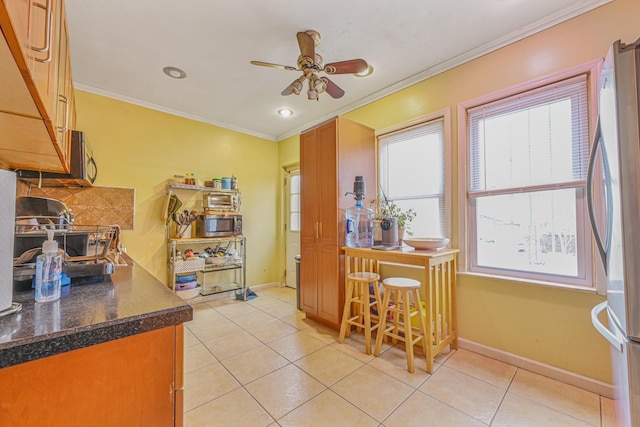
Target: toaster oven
{"type": "Point", "coordinates": [221, 201]}
{"type": "Point", "coordinates": [218, 225]}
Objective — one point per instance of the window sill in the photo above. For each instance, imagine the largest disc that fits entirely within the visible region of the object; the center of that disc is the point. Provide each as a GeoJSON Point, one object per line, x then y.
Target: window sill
{"type": "Point", "coordinates": [554, 285]}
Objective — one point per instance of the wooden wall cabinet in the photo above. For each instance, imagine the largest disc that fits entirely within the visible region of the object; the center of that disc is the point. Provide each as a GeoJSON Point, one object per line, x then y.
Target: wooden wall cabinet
{"type": "Point", "coordinates": [35, 66]}
{"type": "Point", "coordinates": [331, 156]}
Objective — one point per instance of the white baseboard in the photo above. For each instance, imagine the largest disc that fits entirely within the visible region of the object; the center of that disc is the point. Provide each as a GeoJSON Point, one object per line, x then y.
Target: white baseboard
{"type": "Point", "coordinates": [268, 285]}
{"type": "Point", "coordinates": [549, 371]}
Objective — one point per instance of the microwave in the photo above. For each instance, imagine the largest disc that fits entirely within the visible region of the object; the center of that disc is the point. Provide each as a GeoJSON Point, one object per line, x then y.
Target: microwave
{"type": "Point", "coordinates": [218, 225]}
{"type": "Point", "coordinates": [83, 170]}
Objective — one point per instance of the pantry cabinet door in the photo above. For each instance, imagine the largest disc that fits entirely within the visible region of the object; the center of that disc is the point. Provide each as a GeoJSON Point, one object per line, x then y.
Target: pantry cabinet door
{"type": "Point", "coordinates": [309, 278]}
{"type": "Point", "coordinates": [330, 293]}
{"type": "Point", "coordinates": [309, 184]}
{"type": "Point", "coordinates": [328, 184]}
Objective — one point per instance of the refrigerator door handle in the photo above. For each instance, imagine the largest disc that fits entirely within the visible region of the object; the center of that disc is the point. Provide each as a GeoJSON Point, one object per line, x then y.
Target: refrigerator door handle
{"type": "Point", "coordinates": [603, 247]}
{"type": "Point", "coordinates": [610, 336]}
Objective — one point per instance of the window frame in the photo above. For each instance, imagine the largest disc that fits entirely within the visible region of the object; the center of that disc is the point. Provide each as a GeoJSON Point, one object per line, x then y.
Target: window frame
{"type": "Point", "coordinates": [447, 161]}
{"type": "Point", "coordinates": [467, 254]}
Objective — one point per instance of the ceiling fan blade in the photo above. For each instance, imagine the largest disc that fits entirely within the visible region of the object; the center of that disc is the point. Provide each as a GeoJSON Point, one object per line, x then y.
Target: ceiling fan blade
{"type": "Point", "coordinates": [268, 64]}
{"type": "Point", "coordinates": [351, 66]}
{"type": "Point", "coordinates": [307, 45]}
{"type": "Point", "coordinates": [332, 89]}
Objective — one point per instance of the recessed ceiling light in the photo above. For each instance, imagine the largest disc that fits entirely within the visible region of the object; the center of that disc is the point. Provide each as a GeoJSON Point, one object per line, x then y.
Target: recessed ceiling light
{"type": "Point", "coordinates": [365, 73]}
{"type": "Point", "coordinates": [174, 72]}
{"type": "Point", "coordinates": [285, 112]}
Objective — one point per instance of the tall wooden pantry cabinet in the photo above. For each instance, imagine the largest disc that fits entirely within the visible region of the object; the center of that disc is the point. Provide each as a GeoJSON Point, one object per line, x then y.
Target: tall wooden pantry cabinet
{"type": "Point", "coordinates": [331, 156]}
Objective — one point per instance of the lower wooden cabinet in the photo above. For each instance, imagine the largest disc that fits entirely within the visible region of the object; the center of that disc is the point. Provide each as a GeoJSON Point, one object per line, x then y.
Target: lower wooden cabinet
{"type": "Point", "coordinates": [133, 381]}
{"type": "Point", "coordinates": [322, 297]}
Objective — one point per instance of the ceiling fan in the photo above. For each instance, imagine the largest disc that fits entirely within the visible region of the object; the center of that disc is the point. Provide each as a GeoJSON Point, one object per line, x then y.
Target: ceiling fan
{"type": "Point", "coordinates": [310, 63]}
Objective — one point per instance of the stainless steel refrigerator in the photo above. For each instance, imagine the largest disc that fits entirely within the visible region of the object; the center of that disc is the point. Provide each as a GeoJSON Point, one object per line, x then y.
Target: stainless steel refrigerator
{"type": "Point", "coordinates": [615, 218]}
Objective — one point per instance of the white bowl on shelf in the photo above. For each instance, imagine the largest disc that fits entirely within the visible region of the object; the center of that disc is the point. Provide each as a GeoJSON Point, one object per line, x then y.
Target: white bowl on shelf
{"type": "Point", "coordinates": [427, 243]}
{"type": "Point", "coordinates": [189, 293]}
{"type": "Point", "coordinates": [215, 260]}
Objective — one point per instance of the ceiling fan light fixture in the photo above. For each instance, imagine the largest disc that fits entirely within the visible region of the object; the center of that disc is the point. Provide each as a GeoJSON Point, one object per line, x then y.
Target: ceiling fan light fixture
{"type": "Point", "coordinates": [296, 86]}
{"type": "Point", "coordinates": [365, 73]}
{"type": "Point", "coordinates": [285, 112]}
{"type": "Point", "coordinates": [174, 72]}
{"type": "Point", "coordinates": [317, 84]}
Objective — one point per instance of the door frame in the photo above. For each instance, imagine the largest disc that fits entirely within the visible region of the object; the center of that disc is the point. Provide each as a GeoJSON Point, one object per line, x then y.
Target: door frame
{"type": "Point", "coordinates": [290, 274]}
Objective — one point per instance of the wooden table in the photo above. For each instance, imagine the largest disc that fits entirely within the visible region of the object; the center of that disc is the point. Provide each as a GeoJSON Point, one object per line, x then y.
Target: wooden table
{"type": "Point", "coordinates": [438, 288]}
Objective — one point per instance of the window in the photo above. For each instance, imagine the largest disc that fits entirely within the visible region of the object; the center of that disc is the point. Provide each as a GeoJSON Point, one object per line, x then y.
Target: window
{"type": "Point", "coordinates": [527, 158]}
{"type": "Point", "coordinates": [294, 201]}
{"type": "Point", "coordinates": [412, 174]}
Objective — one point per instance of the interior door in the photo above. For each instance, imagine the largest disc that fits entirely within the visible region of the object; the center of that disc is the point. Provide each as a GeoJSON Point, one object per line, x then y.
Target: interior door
{"type": "Point", "coordinates": [292, 224]}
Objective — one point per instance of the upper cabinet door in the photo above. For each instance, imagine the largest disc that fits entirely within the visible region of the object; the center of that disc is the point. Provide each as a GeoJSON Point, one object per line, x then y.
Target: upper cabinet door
{"type": "Point", "coordinates": [328, 184]}
{"type": "Point", "coordinates": [42, 54]}
{"type": "Point", "coordinates": [34, 72]}
{"type": "Point", "coordinates": [64, 93]}
{"type": "Point", "coordinates": [19, 13]}
{"type": "Point", "coordinates": [309, 182]}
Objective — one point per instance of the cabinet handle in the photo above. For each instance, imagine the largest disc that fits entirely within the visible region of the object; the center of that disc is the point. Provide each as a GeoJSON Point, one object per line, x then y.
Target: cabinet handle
{"type": "Point", "coordinates": [317, 235]}
{"type": "Point", "coordinates": [47, 30]}
{"type": "Point", "coordinates": [65, 101]}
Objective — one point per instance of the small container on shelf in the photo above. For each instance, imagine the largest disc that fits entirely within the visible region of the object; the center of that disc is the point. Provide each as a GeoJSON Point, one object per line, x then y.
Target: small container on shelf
{"type": "Point", "coordinates": [188, 285]}
{"type": "Point", "coordinates": [188, 266]}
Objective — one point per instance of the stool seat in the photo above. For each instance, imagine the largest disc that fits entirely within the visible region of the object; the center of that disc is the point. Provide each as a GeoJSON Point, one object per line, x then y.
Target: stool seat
{"type": "Point", "coordinates": [358, 303]}
{"type": "Point", "coordinates": [399, 326]}
{"type": "Point", "coordinates": [401, 283]}
{"type": "Point", "coordinates": [364, 276]}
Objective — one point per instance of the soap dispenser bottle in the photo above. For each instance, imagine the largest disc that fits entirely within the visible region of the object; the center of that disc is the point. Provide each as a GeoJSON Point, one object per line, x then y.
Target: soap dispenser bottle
{"type": "Point", "coordinates": [48, 270]}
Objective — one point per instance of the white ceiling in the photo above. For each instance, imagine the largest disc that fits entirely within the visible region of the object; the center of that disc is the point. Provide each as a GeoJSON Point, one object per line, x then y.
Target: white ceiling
{"type": "Point", "coordinates": [119, 48]}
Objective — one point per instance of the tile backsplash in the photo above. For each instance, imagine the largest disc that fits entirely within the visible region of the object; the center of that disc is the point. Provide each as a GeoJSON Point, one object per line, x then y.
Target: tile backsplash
{"type": "Point", "coordinates": [93, 205]}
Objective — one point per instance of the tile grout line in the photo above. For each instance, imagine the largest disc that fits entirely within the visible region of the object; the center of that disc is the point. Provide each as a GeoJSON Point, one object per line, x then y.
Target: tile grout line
{"type": "Point", "coordinates": [278, 300]}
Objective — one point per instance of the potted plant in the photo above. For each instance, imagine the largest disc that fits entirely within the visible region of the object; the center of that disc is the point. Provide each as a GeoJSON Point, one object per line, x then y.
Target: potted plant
{"type": "Point", "coordinates": [387, 209]}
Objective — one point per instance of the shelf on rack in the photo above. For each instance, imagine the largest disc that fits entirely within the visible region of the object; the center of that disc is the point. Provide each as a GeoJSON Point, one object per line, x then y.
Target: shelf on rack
{"type": "Point", "coordinates": [197, 240]}
{"type": "Point", "coordinates": [218, 288]}
{"type": "Point", "coordinates": [201, 188]}
{"type": "Point", "coordinates": [211, 267]}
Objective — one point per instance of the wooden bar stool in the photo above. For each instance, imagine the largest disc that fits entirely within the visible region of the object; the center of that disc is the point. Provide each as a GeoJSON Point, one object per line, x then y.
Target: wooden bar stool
{"type": "Point", "coordinates": [357, 305]}
{"type": "Point", "coordinates": [400, 328]}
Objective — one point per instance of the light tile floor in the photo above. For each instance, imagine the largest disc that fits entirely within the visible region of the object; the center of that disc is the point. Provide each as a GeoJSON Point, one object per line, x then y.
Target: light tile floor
{"type": "Point", "coordinates": [262, 363]}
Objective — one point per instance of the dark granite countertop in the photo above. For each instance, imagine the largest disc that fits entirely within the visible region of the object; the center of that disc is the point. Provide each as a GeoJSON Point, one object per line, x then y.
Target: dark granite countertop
{"type": "Point", "coordinates": [129, 302]}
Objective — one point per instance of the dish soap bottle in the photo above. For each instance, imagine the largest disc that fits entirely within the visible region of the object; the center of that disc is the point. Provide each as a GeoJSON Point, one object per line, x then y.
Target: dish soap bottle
{"type": "Point", "coordinates": [48, 270]}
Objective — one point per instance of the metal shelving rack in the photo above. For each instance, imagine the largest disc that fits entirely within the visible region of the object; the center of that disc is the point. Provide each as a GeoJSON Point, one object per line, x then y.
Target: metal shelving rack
{"type": "Point", "coordinates": [228, 274]}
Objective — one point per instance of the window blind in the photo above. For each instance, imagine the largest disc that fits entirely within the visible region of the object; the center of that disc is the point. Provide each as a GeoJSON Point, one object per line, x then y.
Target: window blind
{"type": "Point", "coordinates": [412, 173]}
{"type": "Point", "coordinates": [536, 139]}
